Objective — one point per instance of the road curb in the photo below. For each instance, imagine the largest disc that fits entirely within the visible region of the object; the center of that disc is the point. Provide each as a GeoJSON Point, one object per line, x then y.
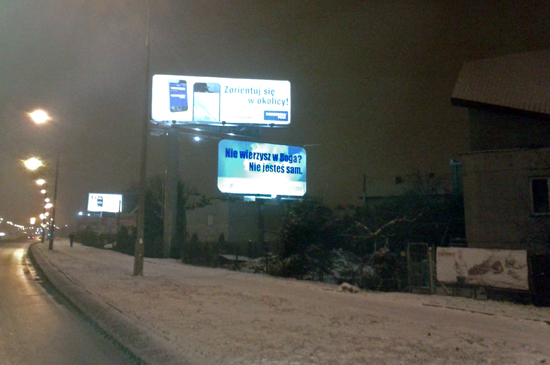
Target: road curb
{"type": "Point", "coordinates": [131, 336]}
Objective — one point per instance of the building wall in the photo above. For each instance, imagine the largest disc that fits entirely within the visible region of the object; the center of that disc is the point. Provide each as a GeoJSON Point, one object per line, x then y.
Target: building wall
{"type": "Point", "coordinates": [209, 222]}
{"type": "Point", "coordinates": [497, 195]}
{"type": "Point", "coordinates": [237, 220]}
{"type": "Point", "coordinates": [491, 130]}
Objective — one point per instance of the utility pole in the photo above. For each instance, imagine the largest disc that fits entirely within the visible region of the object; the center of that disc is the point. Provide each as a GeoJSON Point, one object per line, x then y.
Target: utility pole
{"type": "Point", "coordinates": [52, 222]}
{"type": "Point", "coordinates": [139, 246]}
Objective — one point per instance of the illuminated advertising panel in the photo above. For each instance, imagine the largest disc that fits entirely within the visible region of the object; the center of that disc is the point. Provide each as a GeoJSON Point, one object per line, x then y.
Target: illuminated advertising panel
{"type": "Point", "coordinates": [261, 168]}
{"type": "Point", "coordinates": [218, 101]}
{"type": "Point", "coordinates": [486, 267]}
{"type": "Point", "coordinates": [104, 202]}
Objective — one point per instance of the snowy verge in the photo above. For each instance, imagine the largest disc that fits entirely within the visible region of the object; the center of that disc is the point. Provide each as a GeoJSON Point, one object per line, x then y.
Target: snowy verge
{"type": "Point", "coordinates": [201, 315]}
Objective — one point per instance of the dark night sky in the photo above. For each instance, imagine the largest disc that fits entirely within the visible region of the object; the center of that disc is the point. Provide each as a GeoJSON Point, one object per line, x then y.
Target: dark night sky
{"type": "Point", "coordinates": [371, 85]}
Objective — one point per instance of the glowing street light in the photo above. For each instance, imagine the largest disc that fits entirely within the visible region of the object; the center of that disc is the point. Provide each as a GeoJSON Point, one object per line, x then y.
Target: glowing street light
{"type": "Point", "coordinates": [39, 116]}
{"type": "Point", "coordinates": [33, 221]}
{"type": "Point", "coordinates": [47, 200]}
{"type": "Point", "coordinates": [32, 163]}
{"type": "Point", "coordinates": [41, 182]}
{"type": "Point", "coordinates": [48, 206]}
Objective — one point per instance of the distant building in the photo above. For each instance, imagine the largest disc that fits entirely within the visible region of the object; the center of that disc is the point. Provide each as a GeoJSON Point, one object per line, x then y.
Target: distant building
{"type": "Point", "coordinates": [506, 175]}
{"type": "Point", "coordinates": [236, 220]}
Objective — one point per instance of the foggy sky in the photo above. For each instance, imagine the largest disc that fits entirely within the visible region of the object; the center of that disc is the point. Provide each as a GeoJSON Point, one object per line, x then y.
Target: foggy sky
{"type": "Point", "coordinates": [371, 85]}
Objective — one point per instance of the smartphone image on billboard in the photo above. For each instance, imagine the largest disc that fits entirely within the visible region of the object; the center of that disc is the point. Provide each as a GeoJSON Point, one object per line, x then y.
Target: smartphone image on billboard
{"type": "Point", "coordinates": [178, 96]}
{"type": "Point", "coordinates": [206, 102]}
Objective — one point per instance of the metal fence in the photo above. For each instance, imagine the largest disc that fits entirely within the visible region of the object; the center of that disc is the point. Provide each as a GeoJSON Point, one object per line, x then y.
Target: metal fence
{"type": "Point", "coordinates": [420, 266]}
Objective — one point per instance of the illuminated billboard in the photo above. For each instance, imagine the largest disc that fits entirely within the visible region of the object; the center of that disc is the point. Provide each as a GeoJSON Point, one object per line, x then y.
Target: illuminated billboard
{"type": "Point", "coordinates": [219, 101]}
{"type": "Point", "coordinates": [104, 202]}
{"type": "Point", "coordinates": [261, 168]}
{"type": "Point", "coordinates": [486, 267]}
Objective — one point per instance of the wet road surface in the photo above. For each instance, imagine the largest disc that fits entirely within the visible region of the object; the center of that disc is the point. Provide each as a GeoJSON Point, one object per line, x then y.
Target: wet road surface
{"type": "Point", "coordinates": [38, 325]}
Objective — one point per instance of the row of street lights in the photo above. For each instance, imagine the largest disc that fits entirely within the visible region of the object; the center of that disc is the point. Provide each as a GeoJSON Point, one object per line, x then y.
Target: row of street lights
{"type": "Point", "coordinates": [33, 164]}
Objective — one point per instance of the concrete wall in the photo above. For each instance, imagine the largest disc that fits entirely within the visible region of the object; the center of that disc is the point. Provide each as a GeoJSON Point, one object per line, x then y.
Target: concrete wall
{"type": "Point", "coordinates": [497, 195]}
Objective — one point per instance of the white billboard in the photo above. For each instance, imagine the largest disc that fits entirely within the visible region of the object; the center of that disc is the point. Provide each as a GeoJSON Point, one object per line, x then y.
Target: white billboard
{"type": "Point", "coordinates": [104, 202]}
{"type": "Point", "coordinates": [485, 267]}
{"type": "Point", "coordinates": [219, 101]}
{"type": "Point", "coordinates": [261, 168]}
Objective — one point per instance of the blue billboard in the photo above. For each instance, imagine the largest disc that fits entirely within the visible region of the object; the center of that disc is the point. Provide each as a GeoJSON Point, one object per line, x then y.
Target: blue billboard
{"type": "Point", "coordinates": [261, 168]}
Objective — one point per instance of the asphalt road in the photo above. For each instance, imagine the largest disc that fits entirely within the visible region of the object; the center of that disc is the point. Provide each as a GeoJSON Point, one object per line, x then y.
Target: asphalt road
{"type": "Point", "coordinates": [38, 326]}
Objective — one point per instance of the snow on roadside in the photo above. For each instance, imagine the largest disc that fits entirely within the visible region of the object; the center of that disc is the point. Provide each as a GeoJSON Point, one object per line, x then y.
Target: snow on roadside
{"type": "Point", "coordinates": [230, 317]}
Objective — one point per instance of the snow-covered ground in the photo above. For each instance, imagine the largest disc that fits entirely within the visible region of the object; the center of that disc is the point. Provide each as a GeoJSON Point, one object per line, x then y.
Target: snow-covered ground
{"type": "Point", "coordinates": [225, 317]}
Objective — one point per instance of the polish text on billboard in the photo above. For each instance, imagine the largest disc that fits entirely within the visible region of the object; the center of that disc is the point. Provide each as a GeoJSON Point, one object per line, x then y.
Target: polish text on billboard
{"type": "Point", "coordinates": [261, 168]}
{"type": "Point", "coordinates": [218, 101]}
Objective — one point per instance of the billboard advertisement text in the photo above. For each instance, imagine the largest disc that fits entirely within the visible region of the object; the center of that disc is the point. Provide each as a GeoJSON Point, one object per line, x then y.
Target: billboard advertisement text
{"type": "Point", "coordinates": [217, 101]}
{"type": "Point", "coordinates": [261, 168]}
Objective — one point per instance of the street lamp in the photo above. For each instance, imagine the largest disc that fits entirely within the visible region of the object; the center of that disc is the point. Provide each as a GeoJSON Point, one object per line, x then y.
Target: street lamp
{"type": "Point", "coordinates": [32, 163]}
{"type": "Point", "coordinates": [40, 116]}
{"type": "Point", "coordinates": [42, 182]}
{"type": "Point", "coordinates": [139, 245]}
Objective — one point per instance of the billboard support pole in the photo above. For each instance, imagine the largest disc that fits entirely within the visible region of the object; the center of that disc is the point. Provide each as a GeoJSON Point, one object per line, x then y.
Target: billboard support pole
{"type": "Point", "coordinates": [261, 232]}
{"type": "Point", "coordinates": [171, 175]}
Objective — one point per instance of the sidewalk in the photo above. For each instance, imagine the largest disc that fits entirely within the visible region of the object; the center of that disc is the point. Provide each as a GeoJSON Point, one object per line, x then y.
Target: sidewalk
{"type": "Point", "coordinates": [181, 314]}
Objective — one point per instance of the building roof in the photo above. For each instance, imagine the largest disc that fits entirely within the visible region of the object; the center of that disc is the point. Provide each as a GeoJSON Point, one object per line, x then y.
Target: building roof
{"type": "Point", "coordinates": [519, 82]}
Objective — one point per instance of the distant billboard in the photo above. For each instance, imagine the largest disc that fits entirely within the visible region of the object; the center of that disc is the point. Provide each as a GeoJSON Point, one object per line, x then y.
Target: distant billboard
{"type": "Point", "coordinates": [485, 267]}
{"type": "Point", "coordinates": [218, 101]}
{"type": "Point", "coordinates": [104, 202]}
{"type": "Point", "coordinates": [261, 168]}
